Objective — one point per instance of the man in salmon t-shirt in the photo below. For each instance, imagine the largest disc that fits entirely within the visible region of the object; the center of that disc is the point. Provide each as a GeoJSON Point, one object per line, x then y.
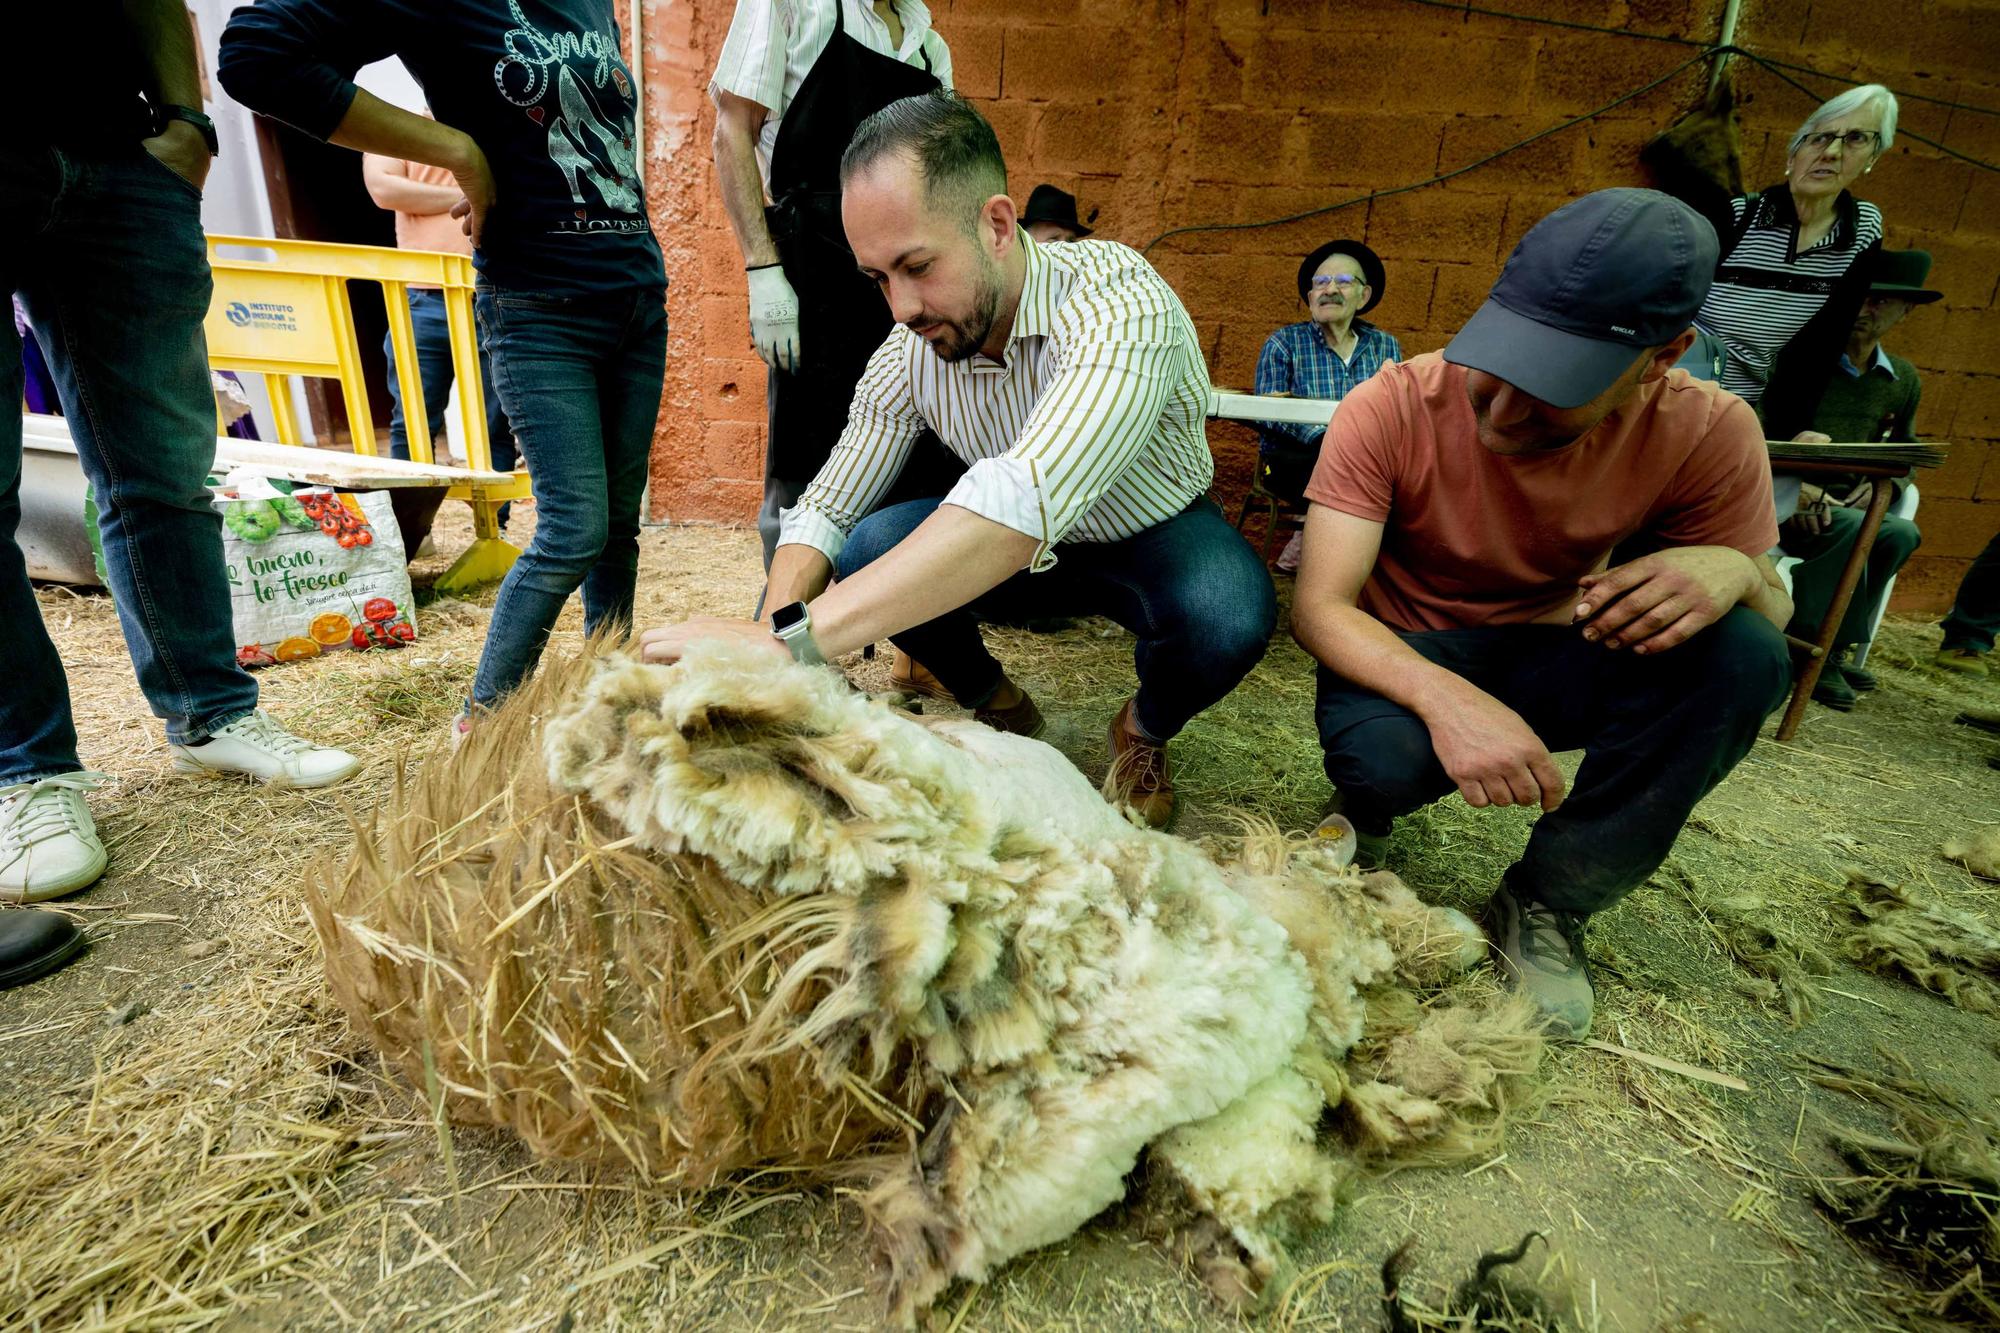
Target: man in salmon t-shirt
{"type": "Point", "coordinates": [1474, 588]}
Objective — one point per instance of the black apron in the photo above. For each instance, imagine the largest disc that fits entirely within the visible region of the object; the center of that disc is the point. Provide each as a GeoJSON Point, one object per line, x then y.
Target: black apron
{"type": "Point", "coordinates": [842, 316]}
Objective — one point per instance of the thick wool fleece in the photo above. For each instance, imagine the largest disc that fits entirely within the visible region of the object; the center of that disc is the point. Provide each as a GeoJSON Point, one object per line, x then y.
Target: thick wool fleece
{"type": "Point", "coordinates": [1076, 985]}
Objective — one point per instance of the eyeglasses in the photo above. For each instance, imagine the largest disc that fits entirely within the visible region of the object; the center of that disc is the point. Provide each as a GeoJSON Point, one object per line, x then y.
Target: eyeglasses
{"type": "Point", "coordinates": [1340, 280]}
{"type": "Point", "coordinates": [1852, 139]}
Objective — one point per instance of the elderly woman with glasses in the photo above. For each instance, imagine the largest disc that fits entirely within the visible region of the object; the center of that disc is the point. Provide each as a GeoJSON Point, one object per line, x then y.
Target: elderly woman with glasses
{"type": "Point", "coordinates": [1789, 284]}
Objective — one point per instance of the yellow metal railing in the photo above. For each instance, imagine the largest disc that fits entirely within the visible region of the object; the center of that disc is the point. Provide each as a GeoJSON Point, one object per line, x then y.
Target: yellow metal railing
{"type": "Point", "coordinates": [282, 310]}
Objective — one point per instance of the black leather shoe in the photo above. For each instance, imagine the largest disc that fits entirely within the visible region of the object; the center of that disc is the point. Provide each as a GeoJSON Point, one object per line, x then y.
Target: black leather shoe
{"type": "Point", "coordinates": [34, 943]}
{"type": "Point", "coordinates": [1859, 677]}
{"type": "Point", "coordinates": [1833, 690]}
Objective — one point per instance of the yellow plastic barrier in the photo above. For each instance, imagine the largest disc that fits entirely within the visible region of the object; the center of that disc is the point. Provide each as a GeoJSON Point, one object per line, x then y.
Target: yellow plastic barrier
{"type": "Point", "coordinates": [283, 310]}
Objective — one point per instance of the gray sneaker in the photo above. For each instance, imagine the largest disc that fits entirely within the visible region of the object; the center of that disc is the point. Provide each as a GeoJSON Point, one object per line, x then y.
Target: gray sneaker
{"type": "Point", "coordinates": [1540, 951]}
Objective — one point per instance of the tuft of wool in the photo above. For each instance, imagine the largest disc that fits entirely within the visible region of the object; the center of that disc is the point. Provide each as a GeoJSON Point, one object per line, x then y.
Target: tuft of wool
{"type": "Point", "coordinates": [1978, 852]}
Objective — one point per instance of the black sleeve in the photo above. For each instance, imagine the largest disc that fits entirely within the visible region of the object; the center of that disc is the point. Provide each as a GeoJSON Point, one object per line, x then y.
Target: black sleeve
{"type": "Point", "coordinates": [294, 60]}
{"type": "Point", "coordinates": [1800, 371]}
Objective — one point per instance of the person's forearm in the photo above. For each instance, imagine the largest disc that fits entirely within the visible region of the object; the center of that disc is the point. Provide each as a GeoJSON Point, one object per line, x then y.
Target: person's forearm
{"type": "Point", "coordinates": [374, 126]}
{"type": "Point", "coordinates": [799, 573]}
{"type": "Point", "coordinates": [1361, 649]}
{"type": "Point", "coordinates": [953, 557]}
{"type": "Point", "coordinates": [742, 190]}
{"type": "Point", "coordinates": [163, 35]}
{"type": "Point", "coordinates": [403, 195]}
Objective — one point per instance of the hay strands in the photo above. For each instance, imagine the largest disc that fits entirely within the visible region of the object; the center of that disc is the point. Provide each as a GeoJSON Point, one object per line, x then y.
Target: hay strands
{"type": "Point", "coordinates": [1670, 1065]}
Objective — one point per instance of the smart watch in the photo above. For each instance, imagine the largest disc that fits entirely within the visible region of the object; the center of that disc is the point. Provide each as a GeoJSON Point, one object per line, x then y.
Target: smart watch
{"type": "Point", "coordinates": [165, 113]}
{"type": "Point", "coordinates": [793, 626]}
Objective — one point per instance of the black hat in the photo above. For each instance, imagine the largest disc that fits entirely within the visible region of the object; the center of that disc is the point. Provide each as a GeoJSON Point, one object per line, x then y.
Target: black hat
{"type": "Point", "coordinates": [1589, 287]}
{"type": "Point", "coordinates": [1902, 274]}
{"type": "Point", "coordinates": [1371, 270]}
{"type": "Point", "coordinates": [1048, 204]}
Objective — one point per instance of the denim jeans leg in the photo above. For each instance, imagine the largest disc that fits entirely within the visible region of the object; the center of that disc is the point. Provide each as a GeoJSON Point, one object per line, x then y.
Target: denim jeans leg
{"type": "Point", "coordinates": [1974, 621]}
{"type": "Point", "coordinates": [117, 294]}
{"type": "Point", "coordinates": [560, 363]}
{"type": "Point", "coordinates": [37, 732]}
{"type": "Point", "coordinates": [433, 339]}
{"type": "Point", "coordinates": [1197, 599]}
{"type": "Point", "coordinates": [950, 647]}
{"type": "Point", "coordinates": [629, 388]}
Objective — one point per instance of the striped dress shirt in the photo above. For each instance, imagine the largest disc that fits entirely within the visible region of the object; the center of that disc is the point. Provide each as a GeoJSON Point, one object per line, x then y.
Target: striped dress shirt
{"type": "Point", "coordinates": [1765, 291]}
{"type": "Point", "coordinates": [1092, 429]}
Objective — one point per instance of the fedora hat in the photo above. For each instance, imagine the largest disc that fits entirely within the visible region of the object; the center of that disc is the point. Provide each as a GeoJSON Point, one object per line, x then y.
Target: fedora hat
{"type": "Point", "coordinates": [1902, 274]}
{"type": "Point", "coordinates": [1371, 270]}
{"type": "Point", "coordinates": [1048, 204]}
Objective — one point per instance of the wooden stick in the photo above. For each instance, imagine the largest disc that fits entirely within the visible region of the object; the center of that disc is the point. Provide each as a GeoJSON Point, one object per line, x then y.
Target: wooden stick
{"type": "Point", "coordinates": [1671, 1066]}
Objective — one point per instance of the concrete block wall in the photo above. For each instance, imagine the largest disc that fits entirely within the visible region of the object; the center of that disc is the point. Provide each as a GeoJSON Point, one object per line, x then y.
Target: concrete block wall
{"type": "Point", "coordinates": [1164, 115]}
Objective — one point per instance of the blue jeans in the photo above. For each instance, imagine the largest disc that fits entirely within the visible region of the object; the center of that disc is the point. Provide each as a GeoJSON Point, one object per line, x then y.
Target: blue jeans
{"type": "Point", "coordinates": [1190, 589]}
{"type": "Point", "coordinates": [107, 253]}
{"type": "Point", "coordinates": [1975, 613]}
{"type": "Point", "coordinates": [579, 376]}
{"type": "Point", "coordinates": [433, 336]}
{"type": "Point", "coordinates": [1657, 733]}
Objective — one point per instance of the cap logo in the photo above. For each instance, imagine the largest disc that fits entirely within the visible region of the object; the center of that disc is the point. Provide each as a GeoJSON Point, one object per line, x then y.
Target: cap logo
{"type": "Point", "coordinates": [1620, 328]}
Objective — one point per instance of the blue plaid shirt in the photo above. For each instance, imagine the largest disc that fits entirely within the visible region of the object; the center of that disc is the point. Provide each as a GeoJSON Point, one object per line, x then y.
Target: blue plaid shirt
{"type": "Point", "coordinates": [1297, 361]}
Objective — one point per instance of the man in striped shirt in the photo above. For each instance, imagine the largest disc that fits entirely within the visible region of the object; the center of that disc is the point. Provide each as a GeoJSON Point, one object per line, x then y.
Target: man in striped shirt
{"type": "Point", "coordinates": [1070, 380]}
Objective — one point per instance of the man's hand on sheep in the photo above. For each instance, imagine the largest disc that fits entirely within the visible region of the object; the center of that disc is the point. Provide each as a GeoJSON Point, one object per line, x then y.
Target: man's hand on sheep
{"type": "Point", "coordinates": [666, 643]}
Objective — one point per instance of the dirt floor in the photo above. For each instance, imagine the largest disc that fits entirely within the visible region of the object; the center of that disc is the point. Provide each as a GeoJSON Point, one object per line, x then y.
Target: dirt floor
{"type": "Point", "coordinates": [191, 1136]}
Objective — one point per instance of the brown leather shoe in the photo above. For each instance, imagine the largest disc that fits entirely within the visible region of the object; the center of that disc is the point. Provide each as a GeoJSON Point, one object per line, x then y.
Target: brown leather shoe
{"type": "Point", "coordinates": [910, 676]}
{"type": "Point", "coordinates": [1011, 710]}
{"type": "Point", "coordinates": [1139, 775]}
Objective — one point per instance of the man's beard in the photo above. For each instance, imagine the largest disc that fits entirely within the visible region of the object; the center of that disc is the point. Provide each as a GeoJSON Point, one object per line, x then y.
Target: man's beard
{"type": "Point", "coordinates": [964, 337]}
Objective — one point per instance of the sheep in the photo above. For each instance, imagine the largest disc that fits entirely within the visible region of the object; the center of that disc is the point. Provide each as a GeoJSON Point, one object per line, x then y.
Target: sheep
{"type": "Point", "coordinates": [731, 914]}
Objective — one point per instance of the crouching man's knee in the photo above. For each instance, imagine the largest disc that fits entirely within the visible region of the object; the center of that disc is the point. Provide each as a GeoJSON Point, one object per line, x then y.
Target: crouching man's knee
{"type": "Point", "coordinates": [1741, 662]}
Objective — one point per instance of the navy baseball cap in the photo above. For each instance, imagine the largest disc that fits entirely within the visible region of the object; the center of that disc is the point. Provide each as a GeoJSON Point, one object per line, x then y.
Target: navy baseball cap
{"type": "Point", "coordinates": [1589, 287]}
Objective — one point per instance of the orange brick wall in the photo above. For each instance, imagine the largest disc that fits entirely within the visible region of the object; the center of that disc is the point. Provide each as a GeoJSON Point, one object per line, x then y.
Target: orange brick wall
{"type": "Point", "coordinates": [1164, 115]}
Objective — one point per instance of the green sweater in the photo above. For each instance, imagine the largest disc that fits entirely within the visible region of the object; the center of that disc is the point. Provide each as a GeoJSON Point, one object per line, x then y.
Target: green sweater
{"type": "Point", "coordinates": [1870, 406]}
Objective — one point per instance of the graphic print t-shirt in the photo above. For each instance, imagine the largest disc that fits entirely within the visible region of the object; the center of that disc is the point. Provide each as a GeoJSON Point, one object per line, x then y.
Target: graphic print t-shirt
{"type": "Point", "coordinates": [540, 85]}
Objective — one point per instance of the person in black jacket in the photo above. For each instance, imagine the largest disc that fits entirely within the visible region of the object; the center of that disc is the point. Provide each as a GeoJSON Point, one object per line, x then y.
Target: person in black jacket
{"type": "Point", "coordinates": [534, 118]}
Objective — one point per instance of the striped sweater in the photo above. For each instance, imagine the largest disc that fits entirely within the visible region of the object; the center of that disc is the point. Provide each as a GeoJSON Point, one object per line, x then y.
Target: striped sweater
{"type": "Point", "coordinates": [1766, 292]}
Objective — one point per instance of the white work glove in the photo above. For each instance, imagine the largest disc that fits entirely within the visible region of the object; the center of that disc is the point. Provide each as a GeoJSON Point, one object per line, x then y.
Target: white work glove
{"type": "Point", "coordinates": [774, 318]}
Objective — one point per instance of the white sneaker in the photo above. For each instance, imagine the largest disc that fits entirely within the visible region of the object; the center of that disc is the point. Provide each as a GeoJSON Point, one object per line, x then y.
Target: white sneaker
{"type": "Point", "coordinates": [48, 842]}
{"type": "Point", "coordinates": [258, 747]}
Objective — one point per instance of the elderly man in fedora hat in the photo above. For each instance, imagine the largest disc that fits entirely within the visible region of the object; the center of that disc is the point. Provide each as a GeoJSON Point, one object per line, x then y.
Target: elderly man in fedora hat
{"type": "Point", "coordinates": [1873, 396]}
{"type": "Point", "coordinates": [1322, 356]}
{"type": "Point", "coordinates": [1051, 216]}
{"type": "Point", "coordinates": [1473, 590]}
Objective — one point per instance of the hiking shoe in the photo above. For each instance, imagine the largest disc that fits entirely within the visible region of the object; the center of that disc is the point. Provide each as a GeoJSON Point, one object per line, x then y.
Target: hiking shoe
{"type": "Point", "coordinates": [1833, 690]}
{"type": "Point", "coordinates": [257, 747]}
{"type": "Point", "coordinates": [1966, 661]}
{"type": "Point", "coordinates": [1540, 952]}
{"type": "Point", "coordinates": [1986, 719]}
{"type": "Point", "coordinates": [1020, 718]}
{"type": "Point", "coordinates": [48, 841]}
{"type": "Point", "coordinates": [1860, 678]}
{"type": "Point", "coordinates": [1139, 775]}
{"type": "Point", "coordinates": [910, 676]}
{"type": "Point", "coordinates": [34, 944]}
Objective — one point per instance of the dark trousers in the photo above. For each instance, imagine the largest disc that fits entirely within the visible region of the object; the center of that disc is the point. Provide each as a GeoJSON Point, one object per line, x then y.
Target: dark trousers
{"type": "Point", "coordinates": [1657, 734]}
{"type": "Point", "coordinates": [1824, 555]}
{"type": "Point", "coordinates": [1193, 592]}
{"type": "Point", "coordinates": [1974, 621]}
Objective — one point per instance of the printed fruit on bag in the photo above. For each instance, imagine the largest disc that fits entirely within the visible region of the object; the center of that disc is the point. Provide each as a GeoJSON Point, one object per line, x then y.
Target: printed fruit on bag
{"type": "Point", "coordinates": [330, 630]}
{"type": "Point", "coordinates": [252, 520]}
{"type": "Point", "coordinates": [292, 512]}
{"type": "Point", "coordinates": [378, 609]}
{"type": "Point", "coordinates": [362, 639]}
{"type": "Point", "coordinates": [253, 655]}
{"type": "Point", "coordinates": [296, 649]}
